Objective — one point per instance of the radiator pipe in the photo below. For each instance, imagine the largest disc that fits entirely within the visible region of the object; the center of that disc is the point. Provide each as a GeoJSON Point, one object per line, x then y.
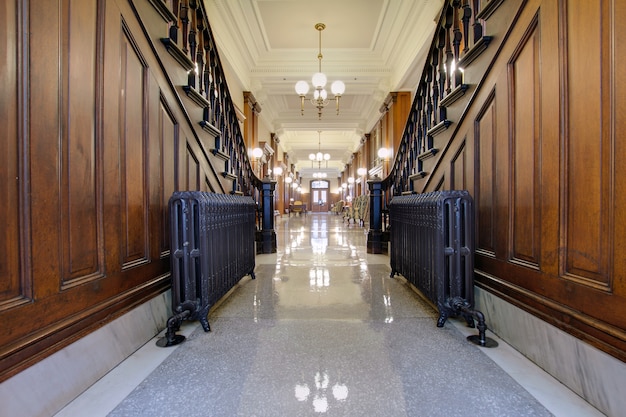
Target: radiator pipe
{"type": "Point", "coordinates": [183, 311]}
{"type": "Point", "coordinates": [461, 305]}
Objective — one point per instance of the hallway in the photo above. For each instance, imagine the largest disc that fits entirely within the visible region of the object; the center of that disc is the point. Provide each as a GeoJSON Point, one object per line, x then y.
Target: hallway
{"type": "Point", "coordinates": [323, 330]}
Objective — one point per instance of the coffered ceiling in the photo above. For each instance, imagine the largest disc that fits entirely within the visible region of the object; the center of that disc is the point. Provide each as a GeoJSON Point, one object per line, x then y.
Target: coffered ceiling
{"type": "Point", "coordinates": [373, 46]}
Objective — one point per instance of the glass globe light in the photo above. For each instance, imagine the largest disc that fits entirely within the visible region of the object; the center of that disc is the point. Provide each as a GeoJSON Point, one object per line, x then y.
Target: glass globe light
{"type": "Point", "coordinates": [257, 152]}
{"type": "Point", "coordinates": [302, 87]}
{"type": "Point", "coordinates": [318, 80]}
{"type": "Point", "coordinates": [338, 88]}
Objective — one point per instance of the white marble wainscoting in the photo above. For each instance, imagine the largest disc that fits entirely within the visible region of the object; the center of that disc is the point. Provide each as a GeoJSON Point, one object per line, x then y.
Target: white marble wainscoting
{"type": "Point", "coordinates": [46, 387]}
{"type": "Point", "coordinates": [594, 375]}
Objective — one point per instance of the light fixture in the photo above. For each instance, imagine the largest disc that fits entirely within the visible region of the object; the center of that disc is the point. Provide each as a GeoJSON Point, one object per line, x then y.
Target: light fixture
{"type": "Point", "coordinates": [278, 171]}
{"type": "Point", "coordinates": [257, 153]}
{"type": "Point", "coordinates": [384, 153]}
{"type": "Point", "coordinates": [319, 157]}
{"type": "Point", "coordinates": [361, 172]}
{"type": "Point", "coordinates": [320, 96]}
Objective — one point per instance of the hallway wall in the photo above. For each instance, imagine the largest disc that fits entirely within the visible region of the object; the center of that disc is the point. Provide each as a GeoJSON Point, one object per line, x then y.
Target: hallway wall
{"type": "Point", "coordinates": [537, 145]}
{"type": "Point", "coordinates": [97, 140]}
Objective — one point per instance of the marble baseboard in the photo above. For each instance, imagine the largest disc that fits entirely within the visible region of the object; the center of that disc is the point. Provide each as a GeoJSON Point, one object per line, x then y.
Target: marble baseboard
{"type": "Point", "coordinates": [594, 375]}
{"type": "Point", "coordinates": [49, 385]}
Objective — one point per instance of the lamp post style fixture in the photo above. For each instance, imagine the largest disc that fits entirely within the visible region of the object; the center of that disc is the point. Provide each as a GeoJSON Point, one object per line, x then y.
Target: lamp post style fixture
{"type": "Point", "coordinates": [257, 153]}
{"type": "Point", "coordinates": [319, 157]}
{"type": "Point", "coordinates": [320, 96]}
{"type": "Point", "coordinates": [362, 172]}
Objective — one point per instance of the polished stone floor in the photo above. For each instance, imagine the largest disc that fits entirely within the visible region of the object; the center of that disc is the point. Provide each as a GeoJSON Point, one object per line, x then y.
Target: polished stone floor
{"type": "Point", "coordinates": [324, 330]}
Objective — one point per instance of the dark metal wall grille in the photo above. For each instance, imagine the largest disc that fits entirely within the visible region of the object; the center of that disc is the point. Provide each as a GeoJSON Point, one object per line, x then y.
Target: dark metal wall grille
{"type": "Point", "coordinates": [432, 246]}
{"type": "Point", "coordinates": [212, 248]}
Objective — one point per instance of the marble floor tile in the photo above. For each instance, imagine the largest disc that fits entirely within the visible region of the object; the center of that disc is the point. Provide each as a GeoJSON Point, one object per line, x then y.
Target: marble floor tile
{"type": "Point", "coordinates": [324, 330]}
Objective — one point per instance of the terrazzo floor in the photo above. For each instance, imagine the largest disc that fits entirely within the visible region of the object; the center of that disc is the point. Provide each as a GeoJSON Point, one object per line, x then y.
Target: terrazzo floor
{"type": "Point", "coordinates": [324, 330]}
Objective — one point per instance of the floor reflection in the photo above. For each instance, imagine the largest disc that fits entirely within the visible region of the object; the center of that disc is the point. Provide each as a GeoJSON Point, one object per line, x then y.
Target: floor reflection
{"type": "Point", "coordinates": [320, 398]}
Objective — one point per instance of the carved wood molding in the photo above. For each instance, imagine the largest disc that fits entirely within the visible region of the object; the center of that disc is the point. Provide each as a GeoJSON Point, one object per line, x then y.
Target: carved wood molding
{"type": "Point", "coordinates": [475, 51]}
{"type": "Point", "coordinates": [439, 127]}
{"type": "Point", "coordinates": [177, 54]}
{"type": "Point", "coordinates": [428, 154]}
{"type": "Point", "coordinates": [163, 10]}
{"type": "Point", "coordinates": [196, 97]}
{"type": "Point", "coordinates": [489, 8]}
{"type": "Point", "coordinates": [420, 175]}
{"type": "Point", "coordinates": [454, 95]}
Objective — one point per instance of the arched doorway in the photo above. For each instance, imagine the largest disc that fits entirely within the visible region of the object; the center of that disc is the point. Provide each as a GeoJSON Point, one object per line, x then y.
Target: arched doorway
{"type": "Point", "coordinates": [319, 195]}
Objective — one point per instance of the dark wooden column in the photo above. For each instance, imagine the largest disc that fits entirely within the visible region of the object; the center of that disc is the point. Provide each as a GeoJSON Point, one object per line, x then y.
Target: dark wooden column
{"type": "Point", "coordinates": [375, 234]}
{"type": "Point", "coordinates": [267, 239]}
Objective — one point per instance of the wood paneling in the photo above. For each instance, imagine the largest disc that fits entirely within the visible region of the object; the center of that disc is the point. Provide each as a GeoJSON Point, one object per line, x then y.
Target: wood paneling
{"type": "Point", "coordinates": [14, 280]}
{"type": "Point", "coordinates": [90, 155]}
{"type": "Point", "coordinates": [525, 136]}
{"type": "Point", "coordinates": [133, 112]}
{"type": "Point", "coordinates": [458, 169]}
{"type": "Point", "coordinates": [554, 217]}
{"type": "Point", "coordinates": [485, 143]}
{"type": "Point", "coordinates": [80, 184]}
{"type": "Point", "coordinates": [193, 171]}
{"type": "Point", "coordinates": [588, 155]}
{"type": "Point", "coordinates": [168, 138]}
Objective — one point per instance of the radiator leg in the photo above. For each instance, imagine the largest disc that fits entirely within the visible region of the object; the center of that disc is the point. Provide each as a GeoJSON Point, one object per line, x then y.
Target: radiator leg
{"type": "Point", "coordinates": [184, 311]}
{"type": "Point", "coordinates": [442, 319]}
{"type": "Point", "coordinates": [203, 318]}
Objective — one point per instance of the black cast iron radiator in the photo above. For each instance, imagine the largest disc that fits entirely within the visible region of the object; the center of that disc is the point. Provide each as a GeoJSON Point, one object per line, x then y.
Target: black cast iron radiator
{"type": "Point", "coordinates": [212, 246]}
{"type": "Point", "coordinates": [432, 246]}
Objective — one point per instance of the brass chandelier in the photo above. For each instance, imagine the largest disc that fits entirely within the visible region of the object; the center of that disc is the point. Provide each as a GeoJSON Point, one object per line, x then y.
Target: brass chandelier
{"type": "Point", "coordinates": [320, 96]}
{"type": "Point", "coordinates": [319, 157]}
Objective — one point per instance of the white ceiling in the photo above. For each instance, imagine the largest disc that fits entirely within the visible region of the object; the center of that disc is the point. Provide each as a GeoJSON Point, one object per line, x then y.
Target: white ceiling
{"type": "Point", "coordinates": [373, 46]}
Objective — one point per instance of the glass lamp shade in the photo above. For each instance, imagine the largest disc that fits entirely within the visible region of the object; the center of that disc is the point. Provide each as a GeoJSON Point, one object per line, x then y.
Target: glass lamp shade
{"type": "Point", "coordinates": [351, 180]}
{"type": "Point", "coordinates": [383, 153]}
{"type": "Point", "coordinates": [288, 180]}
{"type": "Point", "coordinates": [318, 80]}
{"type": "Point", "coordinates": [312, 156]}
{"type": "Point", "coordinates": [338, 88]}
{"type": "Point", "coordinates": [278, 171]}
{"type": "Point", "coordinates": [319, 156]}
{"type": "Point", "coordinates": [302, 87]}
{"type": "Point", "coordinates": [257, 152]}
{"type": "Point", "coordinates": [326, 156]}
{"type": "Point", "coordinates": [361, 171]}
{"type": "Point", "coordinates": [320, 93]}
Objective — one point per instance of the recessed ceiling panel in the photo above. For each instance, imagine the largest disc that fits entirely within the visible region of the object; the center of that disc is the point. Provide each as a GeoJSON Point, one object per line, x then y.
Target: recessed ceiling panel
{"type": "Point", "coordinates": [290, 24]}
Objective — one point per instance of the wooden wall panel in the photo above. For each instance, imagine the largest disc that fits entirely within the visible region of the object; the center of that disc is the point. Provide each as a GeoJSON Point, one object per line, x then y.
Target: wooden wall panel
{"type": "Point", "coordinates": [485, 168]}
{"type": "Point", "coordinates": [193, 171]}
{"type": "Point", "coordinates": [525, 204]}
{"type": "Point", "coordinates": [80, 186]}
{"type": "Point", "coordinates": [458, 169]}
{"type": "Point", "coordinates": [133, 112]}
{"type": "Point", "coordinates": [617, 73]}
{"type": "Point", "coordinates": [557, 176]}
{"type": "Point", "coordinates": [588, 144]}
{"type": "Point", "coordinates": [13, 284]}
{"type": "Point", "coordinates": [168, 138]}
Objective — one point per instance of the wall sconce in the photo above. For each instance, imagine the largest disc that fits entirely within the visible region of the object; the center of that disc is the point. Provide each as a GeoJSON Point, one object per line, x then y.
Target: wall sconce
{"type": "Point", "coordinates": [257, 153]}
{"type": "Point", "coordinates": [384, 153]}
